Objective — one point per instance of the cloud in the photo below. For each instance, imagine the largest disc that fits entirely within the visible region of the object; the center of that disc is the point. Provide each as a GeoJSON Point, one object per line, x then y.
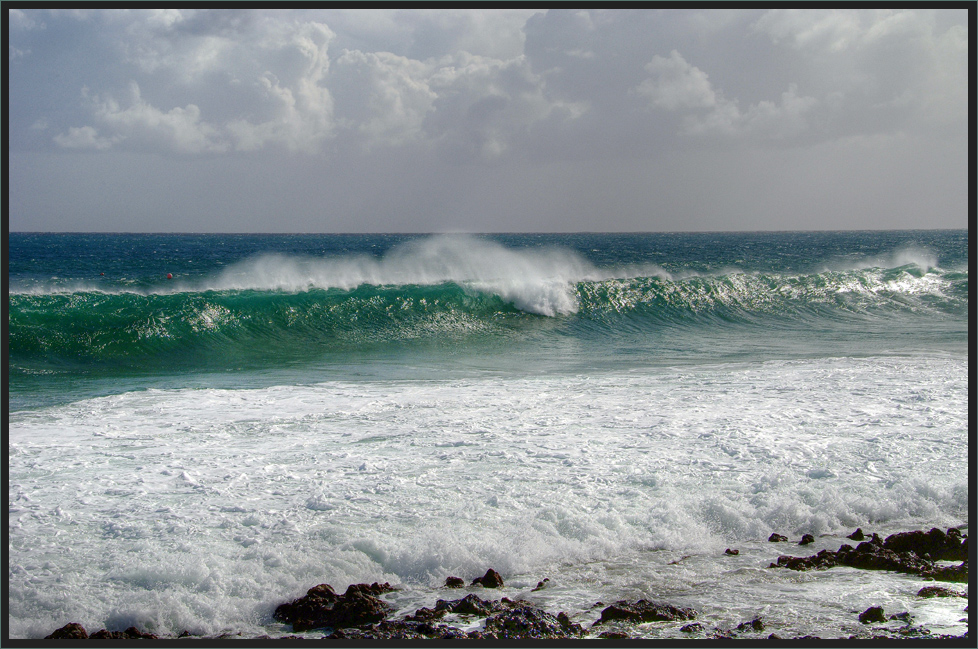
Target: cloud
{"type": "Point", "coordinates": [895, 69]}
{"type": "Point", "coordinates": [266, 80]}
{"type": "Point", "coordinates": [179, 129]}
{"type": "Point", "coordinates": [275, 73]}
{"type": "Point", "coordinates": [484, 105]}
{"type": "Point", "coordinates": [677, 84]}
{"type": "Point", "coordinates": [834, 30]}
{"type": "Point", "coordinates": [84, 137]}
{"type": "Point", "coordinates": [20, 20]}
{"type": "Point", "coordinates": [484, 85]}
{"type": "Point", "coordinates": [383, 96]}
{"type": "Point", "coordinates": [765, 119]}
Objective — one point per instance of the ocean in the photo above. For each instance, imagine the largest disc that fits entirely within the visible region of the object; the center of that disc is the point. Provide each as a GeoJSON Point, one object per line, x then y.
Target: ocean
{"type": "Point", "coordinates": [202, 427]}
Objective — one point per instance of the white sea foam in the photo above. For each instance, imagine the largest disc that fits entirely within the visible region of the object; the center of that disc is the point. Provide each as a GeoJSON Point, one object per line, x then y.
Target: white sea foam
{"type": "Point", "coordinates": [536, 281]}
{"type": "Point", "coordinates": [203, 509]}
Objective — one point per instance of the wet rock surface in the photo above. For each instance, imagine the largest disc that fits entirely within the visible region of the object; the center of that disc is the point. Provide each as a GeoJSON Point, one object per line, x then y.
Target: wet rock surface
{"type": "Point", "coordinates": [644, 611]}
{"type": "Point", "coordinates": [322, 607]}
{"type": "Point", "coordinates": [910, 552]}
{"type": "Point", "coordinates": [70, 631]}
{"type": "Point", "coordinates": [530, 622]}
{"type": "Point", "coordinates": [75, 631]}
{"type": "Point", "coordinates": [754, 625]}
{"type": "Point", "coordinates": [872, 614]}
{"type": "Point", "coordinates": [491, 579]}
{"type": "Point", "coordinates": [935, 544]}
{"type": "Point", "coordinates": [939, 591]}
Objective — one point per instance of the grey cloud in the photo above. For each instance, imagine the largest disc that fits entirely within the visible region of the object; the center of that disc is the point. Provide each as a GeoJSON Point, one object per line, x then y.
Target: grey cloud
{"type": "Point", "coordinates": [349, 119]}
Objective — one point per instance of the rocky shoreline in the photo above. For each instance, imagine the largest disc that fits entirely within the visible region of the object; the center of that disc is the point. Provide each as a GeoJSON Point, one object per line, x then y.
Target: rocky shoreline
{"type": "Point", "coordinates": [361, 614]}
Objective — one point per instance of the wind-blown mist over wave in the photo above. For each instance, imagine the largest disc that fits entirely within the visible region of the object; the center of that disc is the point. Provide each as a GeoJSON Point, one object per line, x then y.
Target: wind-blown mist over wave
{"type": "Point", "coordinates": [538, 282]}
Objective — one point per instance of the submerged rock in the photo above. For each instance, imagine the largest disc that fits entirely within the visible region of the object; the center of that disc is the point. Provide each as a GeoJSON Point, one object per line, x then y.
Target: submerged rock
{"type": "Point", "coordinates": [644, 611]}
{"type": "Point", "coordinates": [872, 614]}
{"type": "Point", "coordinates": [754, 625]}
{"type": "Point", "coordinates": [857, 535]}
{"type": "Point", "coordinates": [454, 582]}
{"type": "Point", "coordinates": [732, 553]}
{"type": "Point", "coordinates": [806, 539]}
{"type": "Point", "coordinates": [938, 591]}
{"type": "Point", "coordinates": [777, 538]}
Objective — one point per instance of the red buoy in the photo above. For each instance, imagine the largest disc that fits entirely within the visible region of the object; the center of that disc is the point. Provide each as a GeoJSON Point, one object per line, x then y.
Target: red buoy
{"type": "Point", "coordinates": [169, 275]}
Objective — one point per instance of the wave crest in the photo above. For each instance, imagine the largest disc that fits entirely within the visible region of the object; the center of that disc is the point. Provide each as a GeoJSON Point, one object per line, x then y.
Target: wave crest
{"type": "Point", "coordinates": [539, 281]}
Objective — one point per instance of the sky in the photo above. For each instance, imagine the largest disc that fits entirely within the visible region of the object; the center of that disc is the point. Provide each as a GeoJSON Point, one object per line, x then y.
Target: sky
{"type": "Point", "coordinates": [486, 120]}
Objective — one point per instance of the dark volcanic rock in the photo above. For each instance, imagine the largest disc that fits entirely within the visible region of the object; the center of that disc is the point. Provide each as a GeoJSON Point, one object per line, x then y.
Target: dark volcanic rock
{"type": "Point", "coordinates": [491, 579]}
{"type": "Point", "coordinates": [541, 584]}
{"type": "Point", "coordinates": [732, 553]}
{"type": "Point", "coordinates": [692, 627]}
{"type": "Point", "coordinates": [958, 573]}
{"type": "Point", "coordinates": [644, 611]}
{"type": "Point", "coordinates": [530, 622]}
{"type": "Point", "coordinates": [754, 625]}
{"type": "Point", "coordinates": [374, 589]}
{"type": "Point", "coordinates": [613, 635]}
{"type": "Point", "coordinates": [857, 535]}
{"type": "Point", "coordinates": [400, 630]}
{"type": "Point", "coordinates": [469, 605]}
{"type": "Point", "coordinates": [569, 627]}
{"type": "Point", "coordinates": [871, 556]}
{"type": "Point", "coordinates": [322, 607]}
{"type": "Point", "coordinates": [823, 560]}
{"type": "Point", "coordinates": [806, 539]}
{"type": "Point", "coordinates": [75, 631]}
{"type": "Point", "coordinates": [872, 614]}
{"type": "Point", "coordinates": [875, 555]}
{"type": "Point", "coordinates": [940, 546]}
{"type": "Point", "coordinates": [902, 617]}
{"type": "Point", "coordinates": [70, 631]}
{"type": "Point", "coordinates": [777, 538]}
{"type": "Point", "coordinates": [454, 582]}
{"type": "Point", "coordinates": [132, 633]}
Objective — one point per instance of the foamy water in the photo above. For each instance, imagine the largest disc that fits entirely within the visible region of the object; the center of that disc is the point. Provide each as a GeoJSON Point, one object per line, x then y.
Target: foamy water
{"type": "Point", "coordinates": [201, 510]}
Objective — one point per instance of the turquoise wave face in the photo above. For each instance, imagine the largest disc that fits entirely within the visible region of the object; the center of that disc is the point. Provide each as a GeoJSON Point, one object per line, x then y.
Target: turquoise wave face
{"type": "Point", "coordinates": [264, 328]}
{"type": "Point", "coordinates": [217, 328]}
